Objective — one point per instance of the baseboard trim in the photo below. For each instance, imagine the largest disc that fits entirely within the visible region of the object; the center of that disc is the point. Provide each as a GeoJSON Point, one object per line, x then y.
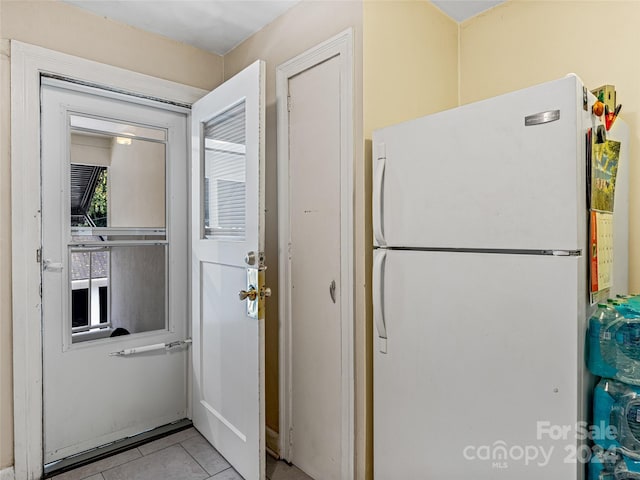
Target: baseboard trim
{"type": "Point", "coordinates": [273, 443]}
{"type": "Point", "coordinates": [7, 474]}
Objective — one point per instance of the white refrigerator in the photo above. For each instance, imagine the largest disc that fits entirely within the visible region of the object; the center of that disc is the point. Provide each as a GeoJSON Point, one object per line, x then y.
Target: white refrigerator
{"type": "Point", "coordinates": [480, 287]}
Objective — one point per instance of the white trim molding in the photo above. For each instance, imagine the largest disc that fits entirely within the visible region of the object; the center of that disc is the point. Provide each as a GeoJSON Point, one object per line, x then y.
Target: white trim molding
{"type": "Point", "coordinates": [341, 45]}
{"type": "Point", "coordinates": [28, 63]}
{"type": "Point", "coordinates": [7, 474]}
{"type": "Point", "coordinates": [273, 442]}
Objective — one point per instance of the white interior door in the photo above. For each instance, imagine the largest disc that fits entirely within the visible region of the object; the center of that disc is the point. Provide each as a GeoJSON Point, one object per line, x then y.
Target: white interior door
{"type": "Point", "coordinates": [114, 243]}
{"type": "Point", "coordinates": [227, 241]}
{"type": "Point", "coordinates": [315, 136]}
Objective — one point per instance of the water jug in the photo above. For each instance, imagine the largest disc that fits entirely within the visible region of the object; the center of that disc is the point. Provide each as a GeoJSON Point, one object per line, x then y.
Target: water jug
{"type": "Point", "coordinates": [614, 343]}
{"type": "Point", "coordinates": [616, 413]}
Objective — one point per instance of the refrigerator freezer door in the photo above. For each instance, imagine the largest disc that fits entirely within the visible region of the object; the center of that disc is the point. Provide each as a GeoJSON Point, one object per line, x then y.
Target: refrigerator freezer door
{"type": "Point", "coordinates": [479, 177]}
{"type": "Point", "coordinates": [483, 364]}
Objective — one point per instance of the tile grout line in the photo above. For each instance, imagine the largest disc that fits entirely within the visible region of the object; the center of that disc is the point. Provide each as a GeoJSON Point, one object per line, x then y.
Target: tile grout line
{"type": "Point", "coordinates": [201, 466]}
{"type": "Point", "coordinates": [161, 449]}
{"type": "Point", "coordinates": [177, 442]}
{"type": "Point", "coordinates": [169, 445]}
{"type": "Point", "coordinates": [116, 466]}
{"type": "Point", "coordinates": [213, 477]}
{"type": "Point", "coordinates": [141, 456]}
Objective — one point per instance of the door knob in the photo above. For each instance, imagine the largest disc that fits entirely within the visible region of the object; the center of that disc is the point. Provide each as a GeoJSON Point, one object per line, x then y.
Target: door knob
{"type": "Point", "coordinates": [265, 292]}
{"type": "Point", "coordinates": [250, 258]}
{"type": "Point", "coordinates": [251, 294]}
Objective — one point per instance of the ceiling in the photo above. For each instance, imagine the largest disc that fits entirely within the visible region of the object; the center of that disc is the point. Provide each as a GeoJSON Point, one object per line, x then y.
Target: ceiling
{"type": "Point", "coordinates": [461, 10]}
{"type": "Point", "coordinates": [219, 25]}
{"type": "Point", "coordinates": [213, 25]}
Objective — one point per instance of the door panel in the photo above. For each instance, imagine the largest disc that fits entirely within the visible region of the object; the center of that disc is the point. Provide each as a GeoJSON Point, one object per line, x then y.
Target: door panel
{"type": "Point", "coordinates": [480, 348]}
{"type": "Point", "coordinates": [316, 345]}
{"type": "Point", "coordinates": [222, 387]}
{"type": "Point", "coordinates": [227, 226]}
{"type": "Point", "coordinates": [96, 279]}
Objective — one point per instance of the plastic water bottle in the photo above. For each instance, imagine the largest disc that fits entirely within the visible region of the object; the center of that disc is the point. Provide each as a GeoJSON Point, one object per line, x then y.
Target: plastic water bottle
{"type": "Point", "coordinates": [627, 468]}
{"type": "Point", "coordinates": [614, 342]}
{"type": "Point", "coordinates": [602, 352]}
{"type": "Point", "coordinates": [602, 464]}
{"type": "Point", "coordinates": [627, 341]}
{"type": "Point", "coordinates": [625, 308]}
{"type": "Point", "coordinates": [616, 413]}
{"type": "Point", "coordinates": [634, 301]}
{"type": "Point", "coordinates": [623, 298]}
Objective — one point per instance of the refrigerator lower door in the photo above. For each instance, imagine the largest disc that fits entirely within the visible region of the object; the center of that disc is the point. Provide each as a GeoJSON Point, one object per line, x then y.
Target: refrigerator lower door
{"type": "Point", "coordinates": [482, 377]}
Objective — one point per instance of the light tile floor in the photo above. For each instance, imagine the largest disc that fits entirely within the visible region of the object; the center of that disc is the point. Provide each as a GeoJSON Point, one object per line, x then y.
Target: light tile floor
{"type": "Point", "coordinates": [185, 455]}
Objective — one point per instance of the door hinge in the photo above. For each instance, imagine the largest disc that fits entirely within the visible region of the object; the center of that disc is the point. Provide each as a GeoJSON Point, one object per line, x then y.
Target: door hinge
{"type": "Point", "coordinates": [288, 103]}
{"type": "Point", "coordinates": [39, 255]}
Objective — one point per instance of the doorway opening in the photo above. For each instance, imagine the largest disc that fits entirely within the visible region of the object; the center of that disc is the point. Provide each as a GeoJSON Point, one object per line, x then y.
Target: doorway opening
{"type": "Point", "coordinates": [28, 65]}
{"type": "Point", "coordinates": [114, 270]}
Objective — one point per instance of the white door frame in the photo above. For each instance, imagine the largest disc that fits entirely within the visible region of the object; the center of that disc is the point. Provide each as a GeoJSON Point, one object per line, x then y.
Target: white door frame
{"type": "Point", "coordinates": [341, 45]}
{"type": "Point", "coordinates": [27, 64]}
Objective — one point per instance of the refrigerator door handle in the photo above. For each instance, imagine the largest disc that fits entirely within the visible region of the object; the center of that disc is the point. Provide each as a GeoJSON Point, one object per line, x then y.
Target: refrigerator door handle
{"type": "Point", "coordinates": [377, 201]}
{"type": "Point", "coordinates": [378, 292]}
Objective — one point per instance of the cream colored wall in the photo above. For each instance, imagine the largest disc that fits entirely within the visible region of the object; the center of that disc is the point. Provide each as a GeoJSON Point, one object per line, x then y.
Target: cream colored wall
{"type": "Point", "coordinates": [410, 62]}
{"type": "Point", "coordinates": [137, 185]}
{"type": "Point", "coordinates": [522, 43]}
{"type": "Point", "coordinates": [90, 150]}
{"type": "Point", "coordinates": [64, 28]}
{"type": "Point", "coordinates": [303, 27]}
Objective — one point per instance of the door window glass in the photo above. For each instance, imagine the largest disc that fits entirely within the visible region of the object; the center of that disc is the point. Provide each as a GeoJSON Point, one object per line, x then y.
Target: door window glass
{"type": "Point", "coordinates": [224, 187]}
{"type": "Point", "coordinates": [89, 289]}
{"type": "Point", "coordinates": [118, 243]}
{"type": "Point", "coordinates": [117, 182]}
